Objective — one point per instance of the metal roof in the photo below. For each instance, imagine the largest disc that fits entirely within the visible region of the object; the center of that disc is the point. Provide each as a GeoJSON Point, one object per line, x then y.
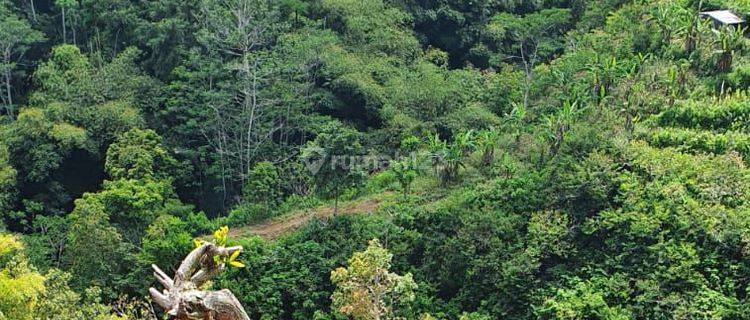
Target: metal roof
{"type": "Point", "coordinates": [723, 16]}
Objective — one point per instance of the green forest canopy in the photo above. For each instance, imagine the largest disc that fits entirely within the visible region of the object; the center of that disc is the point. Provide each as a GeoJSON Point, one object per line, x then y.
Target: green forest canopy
{"type": "Point", "coordinates": [496, 159]}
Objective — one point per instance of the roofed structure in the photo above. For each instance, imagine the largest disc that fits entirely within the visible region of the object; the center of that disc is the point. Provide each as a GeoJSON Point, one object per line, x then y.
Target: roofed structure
{"type": "Point", "coordinates": [723, 17]}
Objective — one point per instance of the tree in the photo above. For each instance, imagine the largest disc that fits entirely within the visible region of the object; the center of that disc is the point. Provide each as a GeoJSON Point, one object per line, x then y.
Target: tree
{"type": "Point", "coordinates": [15, 37]}
{"type": "Point", "coordinates": [263, 185]}
{"type": "Point", "coordinates": [37, 146]}
{"type": "Point", "coordinates": [79, 109]}
{"type": "Point", "coordinates": [691, 25]}
{"type": "Point", "coordinates": [95, 250]}
{"type": "Point", "coordinates": [237, 34]}
{"type": "Point", "coordinates": [487, 142]}
{"type": "Point", "coordinates": [436, 151]}
{"type": "Point", "coordinates": [451, 163]}
{"type": "Point", "coordinates": [81, 83]}
{"type": "Point", "coordinates": [66, 6]}
{"type": "Point", "coordinates": [126, 222]}
{"type": "Point", "coordinates": [332, 157]}
{"type": "Point", "coordinates": [27, 294]}
{"type": "Point", "coordinates": [585, 300]}
{"type": "Point", "coordinates": [373, 26]}
{"type": "Point", "coordinates": [531, 38]}
{"type": "Point", "coordinates": [405, 172]}
{"type": "Point", "coordinates": [366, 289]}
{"type": "Point", "coordinates": [448, 158]}
{"type": "Point", "coordinates": [139, 154]}
{"type": "Point", "coordinates": [182, 297]}
{"type": "Point", "coordinates": [514, 122]}
{"type": "Point", "coordinates": [166, 241]}
{"type": "Point", "coordinates": [729, 39]}
{"type": "Point", "coordinates": [7, 181]}
{"type": "Point", "coordinates": [21, 286]}
{"type": "Point", "coordinates": [559, 124]}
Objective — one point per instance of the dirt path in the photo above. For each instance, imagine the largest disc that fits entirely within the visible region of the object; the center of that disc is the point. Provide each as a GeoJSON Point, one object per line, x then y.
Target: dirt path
{"type": "Point", "coordinates": [274, 228]}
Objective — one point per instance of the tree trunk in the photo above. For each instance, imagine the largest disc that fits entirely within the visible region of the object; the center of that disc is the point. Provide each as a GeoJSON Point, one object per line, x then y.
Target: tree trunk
{"type": "Point", "coordinates": [725, 62]}
{"type": "Point", "coordinates": [182, 297]}
{"type": "Point", "coordinates": [33, 10]}
{"type": "Point", "coordinates": [65, 32]}
{"type": "Point", "coordinates": [487, 156]}
{"type": "Point", "coordinates": [9, 94]}
{"type": "Point", "coordinates": [690, 40]}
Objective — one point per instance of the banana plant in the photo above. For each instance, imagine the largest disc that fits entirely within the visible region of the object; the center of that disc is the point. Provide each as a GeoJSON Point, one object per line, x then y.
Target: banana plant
{"type": "Point", "coordinates": [664, 17]}
{"type": "Point", "coordinates": [728, 40]}
{"type": "Point", "coordinates": [452, 163]}
{"type": "Point", "coordinates": [466, 142]}
{"type": "Point", "coordinates": [435, 151]}
{"type": "Point", "coordinates": [514, 121]}
{"type": "Point", "coordinates": [487, 141]}
{"type": "Point", "coordinates": [559, 124]}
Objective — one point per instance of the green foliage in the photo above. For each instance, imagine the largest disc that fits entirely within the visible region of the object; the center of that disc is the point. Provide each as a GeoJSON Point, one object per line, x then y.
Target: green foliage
{"type": "Point", "coordinates": [7, 181]}
{"type": "Point", "coordinates": [410, 144]}
{"type": "Point", "coordinates": [696, 141]}
{"type": "Point", "coordinates": [405, 171]}
{"type": "Point", "coordinates": [263, 185]}
{"type": "Point", "coordinates": [532, 36]}
{"type": "Point", "coordinates": [27, 294]}
{"type": "Point", "coordinates": [373, 25]}
{"type": "Point", "coordinates": [366, 289]}
{"type": "Point", "coordinates": [739, 78]}
{"type": "Point", "coordinates": [448, 158]}
{"type": "Point", "coordinates": [585, 300]}
{"type": "Point", "coordinates": [16, 36]}
{"type": "Point", "coordinates": [139, 154]}
{"type": "Point", "coordinates": [487, 142]}
{"type": "Point", "coordinates": [558, 125]}
{"type": "Point", "coordinates": [21, 286]}
{"type": "Point", "coordinates": [70, 77]}
{"type": "Point", "coordinates": [728, 40]}
{"type": "Point", "coordinates": [332, 158]}
{"type": "Point", "coordinates": [543, 202]}
{"type": "Point", "coordinates": [95, 249]}
{"type": "Point", "coordinates": [725, 114]}
{"type": "Point", "coordinates": [166, 241]}
{"type": "Point", "coordinates": [80, 110]}
{"type": "Point", "coordinates": [38, 145]}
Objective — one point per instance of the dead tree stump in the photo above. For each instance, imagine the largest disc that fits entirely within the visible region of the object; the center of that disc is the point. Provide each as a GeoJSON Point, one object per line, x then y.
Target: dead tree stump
{"type": "Point", "coordinates": [182, 297]}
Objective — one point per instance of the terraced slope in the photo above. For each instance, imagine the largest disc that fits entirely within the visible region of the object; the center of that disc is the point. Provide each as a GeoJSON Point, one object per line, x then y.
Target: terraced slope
{"type": "Point", "coordinates": [710, 127]}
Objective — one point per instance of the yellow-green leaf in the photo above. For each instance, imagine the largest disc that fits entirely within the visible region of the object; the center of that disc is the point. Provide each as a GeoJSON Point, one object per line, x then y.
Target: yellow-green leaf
{"type": "Point", "coordinates": [237, 264]}
{"type": "Point", "coordinates": [234, 255]}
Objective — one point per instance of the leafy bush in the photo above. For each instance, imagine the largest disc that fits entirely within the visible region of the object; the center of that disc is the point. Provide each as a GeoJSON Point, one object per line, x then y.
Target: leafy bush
{"type": "Point", "coordinates": [248, 213]}
{"type": "Point", "coordinates": [731, 113]}
{"type": "Point", "coordinates": [695, 141]}
{"type": "Point", "coordinates": [263, 185]}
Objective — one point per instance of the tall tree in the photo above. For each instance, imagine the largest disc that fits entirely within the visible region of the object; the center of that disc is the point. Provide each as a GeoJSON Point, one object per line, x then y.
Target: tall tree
{"type": "Point", "coordinates": [532, 38]}
{"type": "Point", "coordinates": [66, 6]}
{"type": "Point", "coordinates": [333, 160]}
{"type": "Point", "coordinates": [237, 34]}
{"type": "Point", "coordinates": [15, 37]}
